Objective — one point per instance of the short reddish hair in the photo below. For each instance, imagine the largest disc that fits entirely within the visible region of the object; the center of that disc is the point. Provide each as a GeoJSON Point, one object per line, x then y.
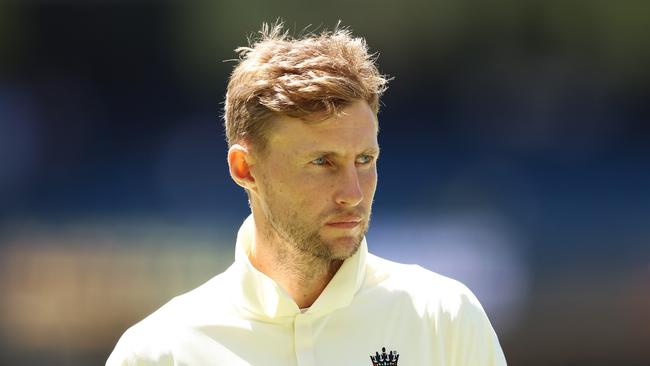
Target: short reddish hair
{"type": "Point", "coordinates": [297, 77]}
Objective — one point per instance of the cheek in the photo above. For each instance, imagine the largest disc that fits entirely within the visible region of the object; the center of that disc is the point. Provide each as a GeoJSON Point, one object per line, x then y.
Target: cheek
{"type": "Point", "coordinates": [297, 189]}
{"type": "Point", "coordinates": [313, 193]}
{"type": "Point", "coordinates": [368, 182]}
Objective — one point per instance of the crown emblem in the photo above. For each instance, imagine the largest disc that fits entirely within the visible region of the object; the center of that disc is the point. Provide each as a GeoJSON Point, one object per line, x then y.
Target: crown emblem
{"type": "Point", "coordinates": [385, 359]}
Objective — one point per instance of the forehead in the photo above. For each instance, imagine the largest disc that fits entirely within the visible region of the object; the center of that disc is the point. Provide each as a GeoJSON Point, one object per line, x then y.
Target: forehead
{"type": "Point", "coordinates": [355, 129]}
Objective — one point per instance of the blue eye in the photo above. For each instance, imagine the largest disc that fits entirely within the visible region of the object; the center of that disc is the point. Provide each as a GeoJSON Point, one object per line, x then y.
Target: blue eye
{"type": "Point", "coordinates": [364, 159]}
{"type": "Point", "coordinates": [319, 161]}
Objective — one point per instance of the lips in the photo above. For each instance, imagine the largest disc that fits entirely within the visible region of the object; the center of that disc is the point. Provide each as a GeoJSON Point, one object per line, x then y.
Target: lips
{"type": "Point", "coordinates": [345, 222]}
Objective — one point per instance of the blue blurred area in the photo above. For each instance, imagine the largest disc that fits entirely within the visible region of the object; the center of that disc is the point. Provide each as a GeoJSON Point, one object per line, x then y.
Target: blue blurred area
{"type": "Point", "coordinates": [98, 119]}
{"type": "Point", "coordinates": [520, 127]}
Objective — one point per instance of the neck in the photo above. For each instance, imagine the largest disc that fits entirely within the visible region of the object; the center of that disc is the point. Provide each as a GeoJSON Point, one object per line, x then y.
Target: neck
{"type": "Point", "coordinates": [301, 275]}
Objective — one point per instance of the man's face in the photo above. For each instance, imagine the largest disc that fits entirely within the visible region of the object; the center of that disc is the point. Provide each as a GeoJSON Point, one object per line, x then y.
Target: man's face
{"type": "Point", "coordinates": [317, 181]}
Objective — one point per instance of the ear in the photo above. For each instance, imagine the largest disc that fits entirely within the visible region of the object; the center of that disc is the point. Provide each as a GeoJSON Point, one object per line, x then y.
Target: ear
{"type": "Point", "coordinates": [239, 164]}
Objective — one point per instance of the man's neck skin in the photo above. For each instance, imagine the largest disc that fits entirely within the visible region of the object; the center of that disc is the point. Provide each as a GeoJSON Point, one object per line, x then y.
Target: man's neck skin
{"type": "Point", "coordinates": [301, 275]}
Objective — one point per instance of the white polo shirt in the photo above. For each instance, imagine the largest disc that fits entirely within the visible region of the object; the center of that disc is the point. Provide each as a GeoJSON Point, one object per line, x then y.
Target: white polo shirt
{"type": "Point", "coordinates": [242, 317]}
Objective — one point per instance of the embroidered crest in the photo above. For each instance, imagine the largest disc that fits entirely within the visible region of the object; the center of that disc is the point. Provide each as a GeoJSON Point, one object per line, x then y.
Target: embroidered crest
{"type": "Point", "coordinates": [385, 359]}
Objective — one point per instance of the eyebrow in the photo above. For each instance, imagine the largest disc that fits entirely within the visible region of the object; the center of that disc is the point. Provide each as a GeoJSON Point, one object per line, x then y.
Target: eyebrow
{"type": "Point", "coordinates": [368, 151]}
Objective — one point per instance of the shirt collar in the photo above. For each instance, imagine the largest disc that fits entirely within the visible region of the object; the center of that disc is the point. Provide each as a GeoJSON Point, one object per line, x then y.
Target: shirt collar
{"type": "Point", "coordinates": [263, 298]}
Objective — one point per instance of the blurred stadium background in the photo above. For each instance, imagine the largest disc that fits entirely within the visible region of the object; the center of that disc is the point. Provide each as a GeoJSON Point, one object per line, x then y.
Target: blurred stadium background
{"type": "Point", "coordinates": [516, 153]}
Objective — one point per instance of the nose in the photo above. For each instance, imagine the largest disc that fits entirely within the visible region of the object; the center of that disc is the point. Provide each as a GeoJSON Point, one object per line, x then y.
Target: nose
{"type": "Point", "coordinates": [349, 193]}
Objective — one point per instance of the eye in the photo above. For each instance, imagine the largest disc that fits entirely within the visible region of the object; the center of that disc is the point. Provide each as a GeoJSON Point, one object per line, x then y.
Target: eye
{"type": "Point", "coordinates": [364, 159]}
{"type": "Point", "coordinates": [319, 161]}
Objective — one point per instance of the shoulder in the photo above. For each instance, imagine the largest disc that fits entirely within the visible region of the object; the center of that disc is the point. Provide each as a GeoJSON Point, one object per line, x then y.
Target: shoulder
{"type": "Point", "coordinates": [154, 339]}
{"type": "Point", "coordinates": [448, 305]}
{"type": "Point", "coordinates": [430, 292]}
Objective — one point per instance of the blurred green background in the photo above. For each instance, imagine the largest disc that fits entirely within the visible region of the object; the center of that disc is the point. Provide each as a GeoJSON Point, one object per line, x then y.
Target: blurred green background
{"type": "Point", "coordinates": [515, 155]}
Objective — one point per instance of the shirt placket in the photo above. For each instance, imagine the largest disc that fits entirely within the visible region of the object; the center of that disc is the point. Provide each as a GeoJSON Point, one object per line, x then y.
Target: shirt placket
{"type": "Point", "coordinates": [304, 340]}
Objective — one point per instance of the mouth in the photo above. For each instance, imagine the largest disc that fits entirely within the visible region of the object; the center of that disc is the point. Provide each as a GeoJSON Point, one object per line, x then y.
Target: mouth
{"type": "Point", "coordinates": [344, 222]}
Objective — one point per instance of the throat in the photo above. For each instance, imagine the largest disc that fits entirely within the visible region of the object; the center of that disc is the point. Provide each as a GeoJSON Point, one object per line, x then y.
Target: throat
{"type": "Point", "coordinates": [305, 283]}
{"type": "Point", "coordinates": [302, 276]}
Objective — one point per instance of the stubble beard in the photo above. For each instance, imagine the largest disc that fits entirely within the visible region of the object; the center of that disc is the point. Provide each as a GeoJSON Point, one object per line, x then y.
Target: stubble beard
{"type": "Point", "coordinates": [309, 241]}
{"type": "Point", "coordinates": [305, 237]}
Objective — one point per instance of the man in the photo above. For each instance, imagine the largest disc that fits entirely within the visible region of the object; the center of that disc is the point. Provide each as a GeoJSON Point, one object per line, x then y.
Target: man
{"type": "Point", "coordinates": [301, 124]}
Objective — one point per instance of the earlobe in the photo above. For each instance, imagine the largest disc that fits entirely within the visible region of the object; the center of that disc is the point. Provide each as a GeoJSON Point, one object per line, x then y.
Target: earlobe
{"type": "Point", "coordinates": [239, 165]}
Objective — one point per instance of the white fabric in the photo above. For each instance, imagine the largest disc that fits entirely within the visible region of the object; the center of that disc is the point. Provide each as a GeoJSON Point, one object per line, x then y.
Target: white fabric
{"type": "Point", "coordinates": [242, 317]}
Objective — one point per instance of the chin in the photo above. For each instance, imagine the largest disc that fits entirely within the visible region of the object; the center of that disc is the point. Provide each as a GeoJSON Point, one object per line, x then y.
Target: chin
{"type": "Point", "coordinates": [345, 247]}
